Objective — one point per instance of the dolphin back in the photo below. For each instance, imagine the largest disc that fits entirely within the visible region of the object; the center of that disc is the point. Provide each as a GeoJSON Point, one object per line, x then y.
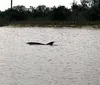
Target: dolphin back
{"type": "Point", "coordinates": [36, 43]}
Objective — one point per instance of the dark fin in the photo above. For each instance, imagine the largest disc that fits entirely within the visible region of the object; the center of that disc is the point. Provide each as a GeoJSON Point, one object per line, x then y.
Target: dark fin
{"type": "Point", "coordinates": [50, 43]}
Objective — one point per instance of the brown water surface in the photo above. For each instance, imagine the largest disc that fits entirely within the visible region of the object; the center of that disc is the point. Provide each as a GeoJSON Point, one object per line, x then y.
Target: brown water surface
{"type": "Point", "coordinates": [74, 60]}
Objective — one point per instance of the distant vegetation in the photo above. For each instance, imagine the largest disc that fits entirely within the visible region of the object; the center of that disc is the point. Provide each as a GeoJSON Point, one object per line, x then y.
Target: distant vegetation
{"type": "Point", "coordinates": [88, 13]}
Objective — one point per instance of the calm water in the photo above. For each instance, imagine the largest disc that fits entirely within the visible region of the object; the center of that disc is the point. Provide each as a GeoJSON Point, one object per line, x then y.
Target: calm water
{"type": "Point", "coordinates": [75, 60]}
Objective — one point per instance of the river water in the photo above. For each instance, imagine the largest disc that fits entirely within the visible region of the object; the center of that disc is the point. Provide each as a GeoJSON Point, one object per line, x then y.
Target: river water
{"type": "Point", "coordinates": [73, 60]}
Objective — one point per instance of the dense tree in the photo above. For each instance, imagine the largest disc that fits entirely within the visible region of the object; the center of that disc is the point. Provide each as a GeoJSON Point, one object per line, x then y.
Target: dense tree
{"type": "Point", "coordinates": [93, 14]}
{"type": "Point", "coordinates": [96, 3]}
{"type": "Point", "coordinates": [77, 13]}
{"type": "Point", "coordinates": [60, 13]}
{"type": "Point", "coordinates": [85, 3]}
{"type": "Point", "coordinates": [91, 3]}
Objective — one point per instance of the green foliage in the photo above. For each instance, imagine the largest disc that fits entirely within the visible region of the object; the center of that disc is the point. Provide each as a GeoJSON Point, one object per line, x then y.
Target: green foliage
{"type": "Point", "coordinates": [77, 13]}
{"type": "Point", "coordinates": [93, 14]}
{"type": "Point", "coordinates": [61, 13]}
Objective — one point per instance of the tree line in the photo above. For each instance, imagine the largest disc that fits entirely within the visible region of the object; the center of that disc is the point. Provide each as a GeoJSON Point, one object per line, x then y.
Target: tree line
{"type": "Point", "coordinates": [86, 11]}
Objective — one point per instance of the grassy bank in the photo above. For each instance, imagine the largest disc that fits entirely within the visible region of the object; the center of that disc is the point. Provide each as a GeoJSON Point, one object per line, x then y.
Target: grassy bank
{"type": "Point", "coordinates": [51, 24]}
{"type": "Point", "coordinates": [4, 22]}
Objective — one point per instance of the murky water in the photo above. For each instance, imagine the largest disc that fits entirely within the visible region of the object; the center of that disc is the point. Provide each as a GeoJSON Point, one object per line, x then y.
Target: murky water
{"type": "Point", "coordinates": [74, 60]}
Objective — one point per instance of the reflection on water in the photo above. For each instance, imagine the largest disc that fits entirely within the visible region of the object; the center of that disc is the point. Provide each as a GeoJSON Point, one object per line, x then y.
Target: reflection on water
{"type": "Point", "coordinates": [74, 61]}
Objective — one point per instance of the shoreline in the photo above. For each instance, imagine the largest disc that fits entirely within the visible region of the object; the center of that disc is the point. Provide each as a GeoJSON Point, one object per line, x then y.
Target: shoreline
{"type": "Point", "coordinates": [55, 26]}
{"type": "Point", "coordinates": [51, 24]}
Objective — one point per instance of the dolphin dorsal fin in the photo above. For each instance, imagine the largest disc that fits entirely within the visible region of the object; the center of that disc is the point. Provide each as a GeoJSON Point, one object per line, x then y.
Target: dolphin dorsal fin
{"type": "Point", "coordinates": [50, 43]}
